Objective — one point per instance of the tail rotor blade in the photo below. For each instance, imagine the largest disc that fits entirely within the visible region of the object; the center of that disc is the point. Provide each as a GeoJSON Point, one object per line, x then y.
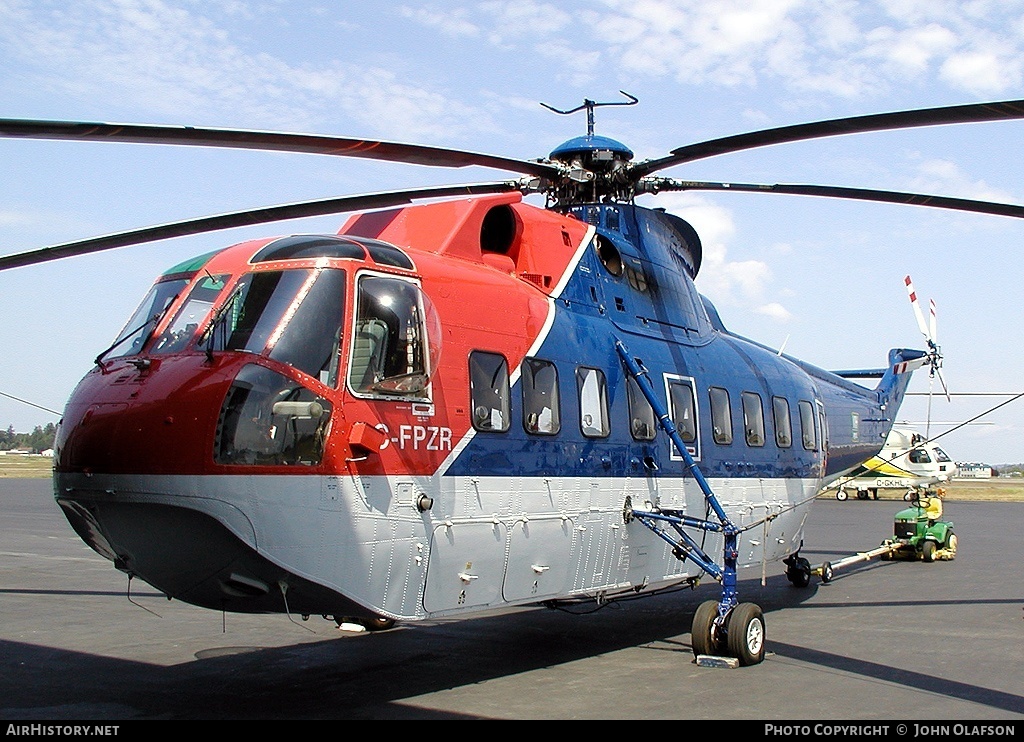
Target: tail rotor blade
{"type": "Point", "coordinates": [931, 319]}
{"type": "Point", "coordinates": [917, 307]}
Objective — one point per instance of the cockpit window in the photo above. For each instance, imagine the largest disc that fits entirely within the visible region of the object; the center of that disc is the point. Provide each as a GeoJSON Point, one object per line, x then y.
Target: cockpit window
{"type": "Point", "coordinates": [134, 335]}
{"type": "Point", "coordinates": [193, 312]}
{"type": "Point", "coordinates": [396, 339]}
{"type": "Point", "coordinates": [293, 316]}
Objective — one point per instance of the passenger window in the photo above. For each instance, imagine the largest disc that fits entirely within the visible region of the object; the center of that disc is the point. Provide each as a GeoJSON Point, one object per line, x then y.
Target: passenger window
{"type": "Point", "coordinates": [783, 424]}
{"type": "Point", "coordinates": [721, 415]}
{"type": "Point", "coordinates": [593, 391]}
{"type": "Point", "coordinates": [489, 391]}
{"type": "Point", "coordinates": [807, 425]}
{"type": "Point", "coordinates": [753, 418]}
{"type": "Point", "coordinates": [682, 409]}
{"type": "Point", "coordinates": [641, 414]}
{"type": "Point", "coordinates": [540, 397]}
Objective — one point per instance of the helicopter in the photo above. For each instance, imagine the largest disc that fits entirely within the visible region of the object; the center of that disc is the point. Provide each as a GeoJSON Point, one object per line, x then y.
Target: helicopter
{"type": "Point", "coordinates": [907, 461]}
{"type": "Point", "coordinates": [462, 402]}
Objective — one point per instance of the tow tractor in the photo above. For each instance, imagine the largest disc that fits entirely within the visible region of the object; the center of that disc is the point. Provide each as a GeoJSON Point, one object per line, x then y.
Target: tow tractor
{"type": "Point", "coordinates": [919, 532]}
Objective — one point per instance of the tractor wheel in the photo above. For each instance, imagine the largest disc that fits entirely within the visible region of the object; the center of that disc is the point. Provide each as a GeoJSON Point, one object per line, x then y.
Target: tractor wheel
{"type": "Point", "coordinates": [746, 634]}
{"type": "Point", "coordinates": [841, 494]}
{"type": "Point", "coordinates": [951, 542]}
{"type": "Point", "coordinates": [928, 551]}
{"type": "Point", "coordinates": [701, 638]}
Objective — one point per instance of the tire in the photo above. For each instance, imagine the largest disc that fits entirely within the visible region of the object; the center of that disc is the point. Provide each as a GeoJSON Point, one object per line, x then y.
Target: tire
{"type": "Point", "coordinates": [379, 623]}
{"type": "Point", "coordinates": [862, 494]}
{"type": "Point", "coordinates": [951, 542]}
{"type": "Point", "coordinates": [826, 572]}
{"type": "Point", "coordinates": [799, 573]}
{"type": "Point", "coordinates": [841, 495]}
{"type": "Point", "coordinates": [746, 635]}
{"type": "Point", "coordinates": [928, 551]}
{"type": "Point", "coordinates": [701, 639]}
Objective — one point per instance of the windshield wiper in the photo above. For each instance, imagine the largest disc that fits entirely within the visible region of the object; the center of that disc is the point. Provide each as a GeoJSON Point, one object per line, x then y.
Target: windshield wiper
{"type": "Point", "coordinates": [152, 322]}
{"type": "Point", "coordinates": [211, 329]}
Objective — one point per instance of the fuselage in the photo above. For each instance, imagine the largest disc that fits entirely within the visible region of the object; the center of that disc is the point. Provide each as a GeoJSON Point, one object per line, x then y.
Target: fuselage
{"type": "Point", "coordinates": [425, 415]}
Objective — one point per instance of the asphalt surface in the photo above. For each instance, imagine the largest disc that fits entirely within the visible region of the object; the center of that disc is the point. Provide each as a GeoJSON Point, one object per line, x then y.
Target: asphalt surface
{"type": "Point", "coordinates": [882, 641]}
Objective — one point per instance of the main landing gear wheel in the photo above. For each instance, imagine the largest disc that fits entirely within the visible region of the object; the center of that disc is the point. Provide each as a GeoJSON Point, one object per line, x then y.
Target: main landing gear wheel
{"type": "Point", "coordinates": [745, 638]}
{"type": "Point", "coordinates": [701, 635]}
{"type": "Point", "coordinates": [798, 571]}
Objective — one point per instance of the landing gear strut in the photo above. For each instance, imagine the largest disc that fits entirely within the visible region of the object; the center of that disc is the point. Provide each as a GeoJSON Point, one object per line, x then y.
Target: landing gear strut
{"type": "Point", "coordinates": [725, 626]}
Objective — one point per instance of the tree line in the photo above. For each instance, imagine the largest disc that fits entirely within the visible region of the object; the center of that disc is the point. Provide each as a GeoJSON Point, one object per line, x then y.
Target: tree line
{"type": "Point", "coordinates": [39, 440]}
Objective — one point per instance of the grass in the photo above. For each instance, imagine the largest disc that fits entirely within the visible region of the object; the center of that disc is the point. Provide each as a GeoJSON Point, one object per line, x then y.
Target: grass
{"type": "Point", "coordinates": [18, 466]}
{"type": "Point", "coordinates": [1009, 489]}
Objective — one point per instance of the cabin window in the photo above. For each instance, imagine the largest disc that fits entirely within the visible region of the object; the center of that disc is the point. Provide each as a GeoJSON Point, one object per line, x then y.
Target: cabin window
{"type": "Point", "coordinates": [138, 329]}
{"type": "Point", "coordinates": [489, 391]}
{"type": "Point", "coordinates": [641, 414]}
{"type": "Point", "coordinates": [396, 339]}
{"type": "Point", "coordinates": [783, 424]}
{"type": "Point", "coordinates": [919, 456]}
{"type": "Point", "coordinates": [593, 395]}
{"type": "Point", "coordinates": [721, 415]}
{"type": "Point", "coordinates": [753, 418]}
{"type": "Point", "coordinates": [270, 420]}
{"type": "Point", "coordinates": [807, 425]}
{"type": "Point", "coordinates": [194, 311]}
{"type": "Point", "coordinates": [540, 397]}
{"type": "Point", "coordinates": [683, 410]}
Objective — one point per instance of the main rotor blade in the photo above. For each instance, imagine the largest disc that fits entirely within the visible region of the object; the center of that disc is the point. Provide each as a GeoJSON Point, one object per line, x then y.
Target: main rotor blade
{"type": "Point", "coordinates": [962, 114]}
{"type": "Point", "coordinates": [248, 218]}
{"type": "Point", "coordinates": [655, 185]}
{"type": "Point", "coordinates": [268, 140]}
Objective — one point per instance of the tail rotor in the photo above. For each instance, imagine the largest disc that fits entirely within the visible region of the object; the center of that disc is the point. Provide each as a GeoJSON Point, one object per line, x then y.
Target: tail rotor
{"type": "Point", "coordinates": [931, 337]}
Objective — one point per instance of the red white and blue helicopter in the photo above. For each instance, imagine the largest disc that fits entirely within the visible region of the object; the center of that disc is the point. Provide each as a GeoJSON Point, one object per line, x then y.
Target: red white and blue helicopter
{"type": "Point", "coordinates": [464, 404]}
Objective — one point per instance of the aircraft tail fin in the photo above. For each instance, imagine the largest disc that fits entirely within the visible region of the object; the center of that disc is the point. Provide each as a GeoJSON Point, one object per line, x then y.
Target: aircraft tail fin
{"type": "Point", "coordinates": [894, 380]}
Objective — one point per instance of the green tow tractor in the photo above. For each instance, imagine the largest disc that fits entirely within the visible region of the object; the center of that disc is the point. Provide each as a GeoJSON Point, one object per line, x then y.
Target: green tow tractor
{"type": "Point", "coordinates": [919, 532]}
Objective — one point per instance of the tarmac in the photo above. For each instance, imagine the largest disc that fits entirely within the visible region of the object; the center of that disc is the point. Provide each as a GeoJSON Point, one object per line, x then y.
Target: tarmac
{"type": "Point", "coordinates": [883, 641]}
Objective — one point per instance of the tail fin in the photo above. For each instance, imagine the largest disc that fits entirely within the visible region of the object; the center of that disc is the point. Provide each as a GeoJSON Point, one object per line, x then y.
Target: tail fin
{"type": "Point", "coordinates": [893, 385]}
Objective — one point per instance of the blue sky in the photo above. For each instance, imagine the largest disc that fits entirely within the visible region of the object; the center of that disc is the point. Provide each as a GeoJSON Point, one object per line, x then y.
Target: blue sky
{"type": "Point", "coordinates": [822, 277]}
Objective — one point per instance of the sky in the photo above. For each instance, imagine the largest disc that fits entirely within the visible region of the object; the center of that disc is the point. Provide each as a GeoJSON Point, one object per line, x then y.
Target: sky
{"type": "Point", "coordinates": [823, 279]}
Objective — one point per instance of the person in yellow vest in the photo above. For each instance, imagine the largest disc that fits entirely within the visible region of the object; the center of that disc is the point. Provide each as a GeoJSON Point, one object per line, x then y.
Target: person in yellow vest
{"type": "Point", "coordinates": [932, 504]}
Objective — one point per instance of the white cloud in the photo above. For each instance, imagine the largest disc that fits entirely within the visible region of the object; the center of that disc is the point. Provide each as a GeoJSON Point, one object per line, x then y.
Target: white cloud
{"type": "Point", "coordinates": [775, 311]}
{"type": "Point", "coordinates": [943, 177]}
{"type": "Point", "coordinates": [168, 60]}
{"type": "Point", "coordinates": [981, 72]}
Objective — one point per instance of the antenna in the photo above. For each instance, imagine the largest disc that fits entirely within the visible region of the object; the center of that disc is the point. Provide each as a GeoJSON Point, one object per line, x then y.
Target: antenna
{"type": "Point", "coordinates": [591, 105]}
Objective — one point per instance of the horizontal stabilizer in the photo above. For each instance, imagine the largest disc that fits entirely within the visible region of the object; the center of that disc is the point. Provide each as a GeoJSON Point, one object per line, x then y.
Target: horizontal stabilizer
{"type": "Point", "coordinates": [863, 373]}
